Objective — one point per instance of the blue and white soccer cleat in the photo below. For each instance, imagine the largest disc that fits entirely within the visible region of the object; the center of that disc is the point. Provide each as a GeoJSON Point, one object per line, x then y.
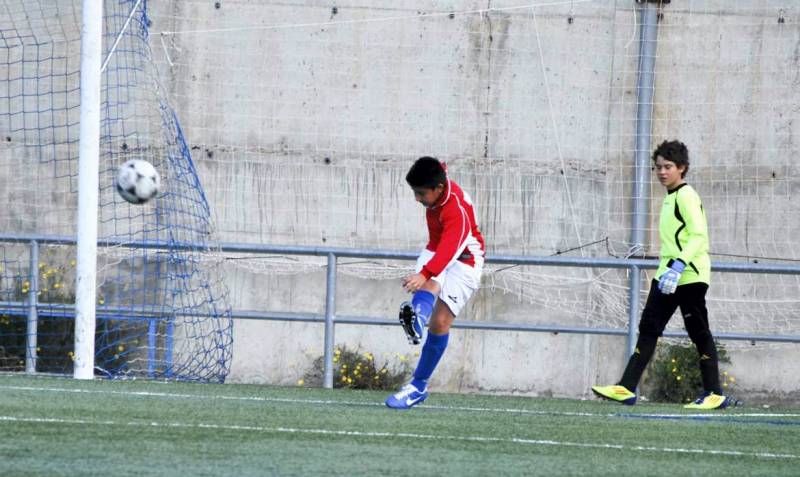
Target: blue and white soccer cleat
{"type": "Point", "coordinates": [408, 397]}
{"type": "Point", "coordinates": [411, 323]}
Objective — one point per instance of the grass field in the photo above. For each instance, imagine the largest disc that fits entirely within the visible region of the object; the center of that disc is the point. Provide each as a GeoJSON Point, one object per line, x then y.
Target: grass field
{"type": "Point", "coordinates": [58, 426]}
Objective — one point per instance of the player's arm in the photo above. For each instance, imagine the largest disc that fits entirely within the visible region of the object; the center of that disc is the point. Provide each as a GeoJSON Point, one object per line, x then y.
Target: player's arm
{"type": "Point", "coordinates": [696, 229]}
{"type": "Point", "coordinates": [455, 230]}
{"type": "Point", "coordinates": [415, 281]}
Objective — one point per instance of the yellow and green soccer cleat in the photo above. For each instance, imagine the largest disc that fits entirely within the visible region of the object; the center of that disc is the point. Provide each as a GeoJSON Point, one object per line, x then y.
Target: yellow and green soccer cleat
{"type": "Point", "coordinates": [615, 392]}
{"type": "Point", "coordinates": [710, 400]}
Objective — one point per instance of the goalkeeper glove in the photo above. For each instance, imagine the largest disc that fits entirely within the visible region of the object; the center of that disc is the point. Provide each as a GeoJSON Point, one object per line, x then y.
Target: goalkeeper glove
{"type": "Point", "coordinates": [669, 279]}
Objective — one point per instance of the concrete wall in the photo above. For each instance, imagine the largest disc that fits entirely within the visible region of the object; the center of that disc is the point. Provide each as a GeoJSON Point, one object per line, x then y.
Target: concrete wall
{"type": "Point", "coordinates": [302, 135]}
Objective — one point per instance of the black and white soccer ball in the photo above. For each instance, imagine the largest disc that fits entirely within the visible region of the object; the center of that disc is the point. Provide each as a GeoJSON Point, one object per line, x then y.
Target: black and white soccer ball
{"type": "Point", "coordinates": [137, 181]}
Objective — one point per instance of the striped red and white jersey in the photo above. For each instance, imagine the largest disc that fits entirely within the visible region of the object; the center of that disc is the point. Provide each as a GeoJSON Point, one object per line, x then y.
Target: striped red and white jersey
{"type": "Point", "coordinates": [453, 232]}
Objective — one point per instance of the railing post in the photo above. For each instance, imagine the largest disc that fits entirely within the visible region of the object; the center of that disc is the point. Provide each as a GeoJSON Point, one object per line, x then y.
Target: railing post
{"type": "Point", "coordinates": [634, 291]}
{"type": "Point", "coordinates": [169, 347]}
{"type": "Point", "coordinates": [32, 328]}
{"type": "Point", "coordinates": [330, 311]}
{"type": "Point", "coordinates": [152, 342]}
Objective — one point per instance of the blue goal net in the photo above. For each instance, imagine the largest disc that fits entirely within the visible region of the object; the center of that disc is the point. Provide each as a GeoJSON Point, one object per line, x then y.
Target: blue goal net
{"type": "Point", "coordinates": [162, 308]}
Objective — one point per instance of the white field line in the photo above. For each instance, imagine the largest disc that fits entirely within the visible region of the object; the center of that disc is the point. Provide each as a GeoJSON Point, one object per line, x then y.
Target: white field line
{"type": "Point", "coordinates": [720, 415]}
{"type": "Point", "coordinates": [328, 402]}
{"type": "Point", "coordinates": [395, 435]}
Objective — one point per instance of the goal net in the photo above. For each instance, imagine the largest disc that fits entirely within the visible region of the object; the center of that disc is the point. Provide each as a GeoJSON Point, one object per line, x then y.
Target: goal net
{"type": "Point", "coordinates": [162, 310]}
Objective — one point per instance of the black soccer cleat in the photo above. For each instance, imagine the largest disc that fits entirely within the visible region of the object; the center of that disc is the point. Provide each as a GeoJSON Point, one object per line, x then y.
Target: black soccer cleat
{"type": "Point", "coordinates": [410, 324]}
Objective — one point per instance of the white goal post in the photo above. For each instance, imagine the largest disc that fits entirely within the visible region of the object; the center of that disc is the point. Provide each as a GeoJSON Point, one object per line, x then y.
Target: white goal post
{"type": "Point", "coordinates": [88, 174]}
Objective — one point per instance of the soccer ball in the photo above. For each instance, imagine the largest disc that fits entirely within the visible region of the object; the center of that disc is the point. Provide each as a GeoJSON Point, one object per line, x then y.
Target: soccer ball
{"type": "Point", "coordinates": [137, 181]}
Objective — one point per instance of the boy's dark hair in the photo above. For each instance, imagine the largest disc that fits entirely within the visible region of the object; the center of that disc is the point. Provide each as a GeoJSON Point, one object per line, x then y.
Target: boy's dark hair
{"type": "Point", "coordinates": [426, 172]}
{"type": "Point", "coordinates": [673, 151]}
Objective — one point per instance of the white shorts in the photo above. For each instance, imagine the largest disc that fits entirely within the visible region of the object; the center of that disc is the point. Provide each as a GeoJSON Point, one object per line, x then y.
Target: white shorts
{"type": "Point", "coordinates": [458, 281]}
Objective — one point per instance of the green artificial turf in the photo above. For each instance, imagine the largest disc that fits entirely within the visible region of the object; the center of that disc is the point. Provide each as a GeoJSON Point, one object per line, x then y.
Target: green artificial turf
{"type": "Point", "coordinates": [60, 426]}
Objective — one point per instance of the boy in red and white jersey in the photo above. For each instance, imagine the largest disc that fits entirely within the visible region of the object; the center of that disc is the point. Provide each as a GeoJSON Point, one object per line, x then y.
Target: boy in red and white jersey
{"type": "Point", "coordinates": [448, 271]}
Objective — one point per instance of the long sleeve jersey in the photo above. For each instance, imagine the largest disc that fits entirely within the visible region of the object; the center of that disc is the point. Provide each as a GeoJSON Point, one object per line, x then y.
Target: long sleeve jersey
{"type": "Point", "coordinates": [453, 232]}
{"type": "Point", "coordinates": [684, 235]}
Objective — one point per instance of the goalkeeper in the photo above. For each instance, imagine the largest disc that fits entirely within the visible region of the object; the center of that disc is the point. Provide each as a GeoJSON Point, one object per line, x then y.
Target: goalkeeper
{"type": "Point", "coordinates": [682, 282]}
{"type": "Point", "coordinates": [447, 274]}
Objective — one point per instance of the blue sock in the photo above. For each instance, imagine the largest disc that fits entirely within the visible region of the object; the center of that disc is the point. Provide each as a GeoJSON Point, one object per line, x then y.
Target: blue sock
{"type": "Point", "coordinates": [432, 352]}
{"type": "Point", "coordinates": [422, 301]}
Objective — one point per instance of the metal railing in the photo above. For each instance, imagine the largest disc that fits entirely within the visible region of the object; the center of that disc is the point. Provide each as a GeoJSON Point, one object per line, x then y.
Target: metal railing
{"type": "Point", "coordinates": [330, 317]}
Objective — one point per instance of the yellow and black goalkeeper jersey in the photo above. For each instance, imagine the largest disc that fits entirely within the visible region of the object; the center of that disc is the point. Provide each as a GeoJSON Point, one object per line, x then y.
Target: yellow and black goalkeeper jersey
{"type": "Point", "coordinates": [684, 235]}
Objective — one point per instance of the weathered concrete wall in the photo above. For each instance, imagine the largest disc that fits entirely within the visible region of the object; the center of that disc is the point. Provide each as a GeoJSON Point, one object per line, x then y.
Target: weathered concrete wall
{"type": "Point", "coordinates": [302, 135]}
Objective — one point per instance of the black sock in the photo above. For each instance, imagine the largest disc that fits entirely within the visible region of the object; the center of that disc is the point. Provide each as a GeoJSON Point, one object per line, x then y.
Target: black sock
{"type": "Point", "coordinates": [709, 366]}
{"type": "Point", "coordinates": [645, 347]}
